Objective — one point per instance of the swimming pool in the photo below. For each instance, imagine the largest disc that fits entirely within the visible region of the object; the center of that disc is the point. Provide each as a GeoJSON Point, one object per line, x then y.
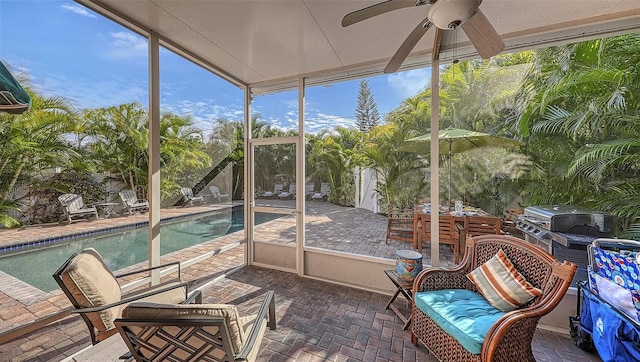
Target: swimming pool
{"type": "Point", "coordinates": [122, 249]}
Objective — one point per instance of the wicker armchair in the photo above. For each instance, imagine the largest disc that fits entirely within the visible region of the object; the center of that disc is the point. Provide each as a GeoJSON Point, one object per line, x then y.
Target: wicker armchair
{"type": "Point", "coordinates": [509, 337]}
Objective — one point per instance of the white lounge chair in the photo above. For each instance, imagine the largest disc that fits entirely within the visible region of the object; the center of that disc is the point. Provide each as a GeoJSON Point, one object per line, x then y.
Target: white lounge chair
{"type": "Point", "coordinates": [277, 189]}
{"type": "Point", "coordinates": [324, 192]}
{"type": "Point", "coordinates": [215, 192]}
{"type": "Point", "coordinates": [189, 198]}
{"type": "Point", "coordinates": [74, 207]}
{"type": "Point", "coordinates": [131, 202]}
{"type": "Point", "coordinates": [308, 191]}
{"type": "Point", "coordinates": [289, 194]}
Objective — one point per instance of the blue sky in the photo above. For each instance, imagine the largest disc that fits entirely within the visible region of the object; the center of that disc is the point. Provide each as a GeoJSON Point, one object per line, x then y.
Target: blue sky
{"type": "Point", "coordinates": [68, 51]}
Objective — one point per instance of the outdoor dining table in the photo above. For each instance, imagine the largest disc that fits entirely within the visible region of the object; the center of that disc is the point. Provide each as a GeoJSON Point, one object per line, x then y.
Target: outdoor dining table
{"type": "Point", "coordinates": [419, 213]}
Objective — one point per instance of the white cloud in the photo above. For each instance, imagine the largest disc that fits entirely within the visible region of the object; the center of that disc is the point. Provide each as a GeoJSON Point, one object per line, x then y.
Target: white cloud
{"type": "Point", "coordinates": [316, 121]}
{"type": "Point", "coordinates": [409, 83]}
{"type": "Point", "coordinates": [128, 45]}
{"type": "Point", "coordinates": [78, 10]}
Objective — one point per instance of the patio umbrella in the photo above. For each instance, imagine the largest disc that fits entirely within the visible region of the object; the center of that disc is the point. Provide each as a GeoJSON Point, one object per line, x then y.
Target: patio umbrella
{"type": "Point", "coordinates": [455, 140]}
{"type": "Point", "coordinates": [13, 98]}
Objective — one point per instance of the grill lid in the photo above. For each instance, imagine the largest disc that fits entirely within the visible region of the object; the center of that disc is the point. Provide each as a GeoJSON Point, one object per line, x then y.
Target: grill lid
{"type": "Point", "coordinates": [549, 211]}
{"type": "Point", "coordinates": [567, 218]}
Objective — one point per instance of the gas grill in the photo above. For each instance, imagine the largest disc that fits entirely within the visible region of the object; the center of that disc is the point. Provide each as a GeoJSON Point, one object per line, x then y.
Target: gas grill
{"type": "Point", "coordinates": [565, 231]}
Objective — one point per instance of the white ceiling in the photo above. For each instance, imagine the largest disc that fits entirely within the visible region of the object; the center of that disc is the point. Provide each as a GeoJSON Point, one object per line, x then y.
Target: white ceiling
{"type": "Point", "coordinates": [269, 44]}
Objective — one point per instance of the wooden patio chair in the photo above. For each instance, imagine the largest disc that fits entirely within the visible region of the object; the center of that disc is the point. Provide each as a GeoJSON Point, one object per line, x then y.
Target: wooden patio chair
{"type": "Point", "coordinates": [95, 292]}
{"type": "Point", "coordinates": [131, 203]}
{"type": "Point", "coordinates": [448, 233]}
{"type": "Point", "coordinates": [73, 207]}
{"type": "Point", "coordinates": [509, 225]}
{"type": "Point", "coordinates": [195, 332]}
{"type": "Point", "coordinates": [479, 225]}
{"type": "Point", "coordinates": [473, 329]}
{"type": "Point", "coordinates": [400, 224]}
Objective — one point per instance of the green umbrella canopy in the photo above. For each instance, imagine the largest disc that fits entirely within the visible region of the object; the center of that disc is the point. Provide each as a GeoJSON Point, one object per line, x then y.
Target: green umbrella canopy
{"type": "Point", "coordinates": [455, 140]}
{"type": "Point", "coordinates": [13, 98]}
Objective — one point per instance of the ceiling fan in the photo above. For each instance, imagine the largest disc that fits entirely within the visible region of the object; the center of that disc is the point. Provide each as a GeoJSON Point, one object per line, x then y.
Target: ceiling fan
{"type": "Point", "coordinates": [445, 15]}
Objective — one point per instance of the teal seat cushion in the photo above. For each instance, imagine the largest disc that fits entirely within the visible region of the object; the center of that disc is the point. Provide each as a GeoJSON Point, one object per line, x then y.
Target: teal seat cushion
{"type": "Point", "coordinates": [463, 314]}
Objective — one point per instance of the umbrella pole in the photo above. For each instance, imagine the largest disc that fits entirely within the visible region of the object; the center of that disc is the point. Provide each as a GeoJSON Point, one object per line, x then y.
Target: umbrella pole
{"type": "Point", "coordinates": [449, 161]}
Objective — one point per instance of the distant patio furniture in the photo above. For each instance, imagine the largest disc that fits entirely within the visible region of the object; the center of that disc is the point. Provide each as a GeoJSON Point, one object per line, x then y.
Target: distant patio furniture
{"type": "Point", "coordinates": [291, 194]}
{"type": "Point", "coordinates": [95, 293]}
{"type": "Point", "coordinates": [399, 224]}
{"type": "Point", "coordinates": [131, 203]}
{"type": "Point", "coordinates": [107, 209]}
{"type": "Point", "coordinates": [189, 197]}
{"type": "Point", "coordinates": [73, 207]}
{"type": "Point", "coordinates": [277, 189]}
{"type": "Point", "coordinates": [308, 191]}
{"type": "Point", "coordinates": [458, 322]}
{"type": "Point", "coordinates": [324, 192]}
{"type": "Point", "coordinates": [196, 332]}
{"type": "Point", "coordinates": [215, 192]}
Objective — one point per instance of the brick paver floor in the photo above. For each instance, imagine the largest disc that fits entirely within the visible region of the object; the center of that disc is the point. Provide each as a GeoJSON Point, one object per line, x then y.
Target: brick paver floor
{"type": "Point", "coordinates": [316, 320]}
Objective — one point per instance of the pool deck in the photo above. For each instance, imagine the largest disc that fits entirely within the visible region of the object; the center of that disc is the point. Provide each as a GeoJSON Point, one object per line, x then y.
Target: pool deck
{"type": "Point", "coordinates": [327, 226]}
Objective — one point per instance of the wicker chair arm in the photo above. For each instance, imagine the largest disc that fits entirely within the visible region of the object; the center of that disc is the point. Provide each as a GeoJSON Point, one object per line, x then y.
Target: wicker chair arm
{"type": "Point", "coordinates": [503, 330]}
{"type": "Point", "coordinates": [267, 306]}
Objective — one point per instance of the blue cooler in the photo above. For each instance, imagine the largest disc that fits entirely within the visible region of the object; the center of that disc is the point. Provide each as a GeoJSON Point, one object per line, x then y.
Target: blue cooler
{"type": "Point", "coordinates": [408, 264]}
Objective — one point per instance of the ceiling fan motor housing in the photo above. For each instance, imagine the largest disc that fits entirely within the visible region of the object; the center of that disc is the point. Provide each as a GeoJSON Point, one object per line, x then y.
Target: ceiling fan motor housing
{"type": "Point", "coordinates": [448, 14]}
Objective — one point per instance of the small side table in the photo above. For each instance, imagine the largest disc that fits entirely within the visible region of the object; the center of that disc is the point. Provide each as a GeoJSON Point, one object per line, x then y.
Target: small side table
{"type": "Point", "coordinates": [404, 288]}
{"type": "Point", "coordinates": [106, 209]}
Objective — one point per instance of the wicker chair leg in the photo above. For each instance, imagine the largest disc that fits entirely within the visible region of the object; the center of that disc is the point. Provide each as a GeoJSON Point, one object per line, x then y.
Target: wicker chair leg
{"type": "Point", "coordinates": [414, 339]}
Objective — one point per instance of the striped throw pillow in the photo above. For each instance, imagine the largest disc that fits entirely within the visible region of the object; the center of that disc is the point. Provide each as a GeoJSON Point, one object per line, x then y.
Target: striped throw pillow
{"type": "Point", "coordinates": [501, 284]}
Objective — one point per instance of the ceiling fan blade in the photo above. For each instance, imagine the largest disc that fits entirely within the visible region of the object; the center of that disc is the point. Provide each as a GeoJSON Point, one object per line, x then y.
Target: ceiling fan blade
{"type": "Point", "coordinates": [483, 36]}
{"type": "Point", "coordinates": [407, 46]}
{"type": "Point", "coordinates": [377, 9]}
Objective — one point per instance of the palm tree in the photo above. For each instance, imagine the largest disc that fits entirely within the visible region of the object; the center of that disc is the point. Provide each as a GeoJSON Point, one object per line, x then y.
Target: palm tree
{"type": "Point", "coordinates": [119, 143]}
{"type": "Point", "coordinates": [32, 143]}
{"type": "Point", "coordinates": [583, 95]}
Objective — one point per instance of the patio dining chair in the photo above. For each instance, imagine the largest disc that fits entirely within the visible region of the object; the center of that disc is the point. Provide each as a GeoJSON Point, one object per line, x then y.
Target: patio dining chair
{"type": "Point", "coordinates": [73, 207]}
{"type": "Point", "coordinates": [189, 198]}
{"type": "Point", "coordinates": [131, 202]}
{"type": "Point", "coordinates": [479, 225]}
{"type": "Point", "coordinates": [196, 332]}
{"type": "Point", "coordinates": [447, 230]}
{"type": "Point", "coordinates": [96, 294]}
{"type": "Point", "coordinates": [400, 224]}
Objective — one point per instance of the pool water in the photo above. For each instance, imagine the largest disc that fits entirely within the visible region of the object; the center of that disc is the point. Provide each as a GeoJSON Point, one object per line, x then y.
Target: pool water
{"type": "Point", "coordinates": [36, 266]}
